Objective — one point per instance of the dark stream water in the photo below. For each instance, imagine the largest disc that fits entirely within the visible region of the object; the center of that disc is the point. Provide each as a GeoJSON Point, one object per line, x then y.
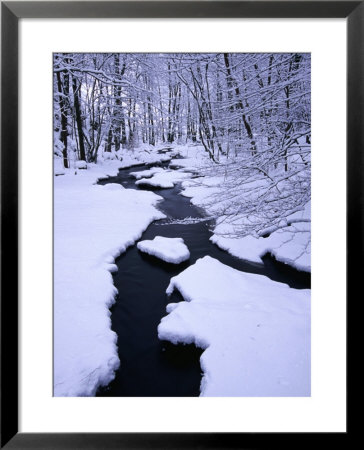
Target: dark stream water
{"type": "Point", "coordinates": [148, 366]}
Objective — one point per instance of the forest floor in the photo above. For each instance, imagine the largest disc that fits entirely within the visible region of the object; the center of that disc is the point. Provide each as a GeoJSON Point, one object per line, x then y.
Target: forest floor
{"type": "Point", "coordinates": [251, 337]}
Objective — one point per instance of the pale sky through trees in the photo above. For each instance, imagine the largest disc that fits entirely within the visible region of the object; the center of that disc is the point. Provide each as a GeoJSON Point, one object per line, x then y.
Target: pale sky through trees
{"type": "Point", "coordinates": [252, 109]}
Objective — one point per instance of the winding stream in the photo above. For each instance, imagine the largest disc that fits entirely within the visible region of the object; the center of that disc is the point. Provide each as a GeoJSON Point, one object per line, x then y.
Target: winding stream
{"type": "Point", "coordinates": [148, 366]}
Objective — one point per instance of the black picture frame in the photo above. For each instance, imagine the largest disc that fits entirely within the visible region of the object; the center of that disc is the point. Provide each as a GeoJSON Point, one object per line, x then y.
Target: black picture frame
{"type": "Point", "coordinates": [11, 12]}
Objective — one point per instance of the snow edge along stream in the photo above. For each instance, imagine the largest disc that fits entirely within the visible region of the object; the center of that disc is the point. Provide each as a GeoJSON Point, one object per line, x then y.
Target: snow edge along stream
{"type": "Point", "coordinates": [255, 332]}
{"type": "Point", "coordinates": [93, 225]}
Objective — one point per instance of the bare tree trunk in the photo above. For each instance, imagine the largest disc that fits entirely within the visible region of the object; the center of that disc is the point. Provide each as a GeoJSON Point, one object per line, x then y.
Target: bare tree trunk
{"type": "Point", "coordinates": [78, 119]}
{"type": "Point", "coordinates": [62, 106]}
{"type": "Point", "coordinates": [239, 103]}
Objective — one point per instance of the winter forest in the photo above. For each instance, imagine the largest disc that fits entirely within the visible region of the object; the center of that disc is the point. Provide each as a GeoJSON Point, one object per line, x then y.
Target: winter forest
{"type": "Point", "coordinates": [182, 250]}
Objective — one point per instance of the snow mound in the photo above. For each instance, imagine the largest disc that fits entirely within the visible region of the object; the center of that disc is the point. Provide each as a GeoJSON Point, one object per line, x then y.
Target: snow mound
{"type": "Point", "coordinates": [255, 332]}
{"type": "Point", "coordinates": [113, 187]}
{"type": "Point", "coordinates": [80, 165]}
{"type": "Point", "coordinates": [185, 163]}
{"type": "Point", "coordinates": [134, 157]}
{"type": "Point", "coordinates": [146, 173]}
{"type": "Point", "coordinates": [171, 250]}
{"type": "Point", "coordinates": [58, 167]}
{"type": "Point", "coordinates": [164, 180]}
{"type": "Point", "coordinates": [107, 156]}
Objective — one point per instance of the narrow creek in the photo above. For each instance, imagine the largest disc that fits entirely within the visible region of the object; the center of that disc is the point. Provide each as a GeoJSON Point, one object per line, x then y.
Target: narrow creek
{"type": "Point", "coordinates": [150, 367]}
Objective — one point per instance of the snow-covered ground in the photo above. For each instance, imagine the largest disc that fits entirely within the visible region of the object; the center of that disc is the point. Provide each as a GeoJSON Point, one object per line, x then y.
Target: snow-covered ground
{"type": "Point", "coordinates": [171, 250]}
{"type": "Point", "coordinates": [250, 326]}
{"type": "Point", "coordinates": [290, 244]}
{"type": "Point", "coordinates": [255, 332]}
{"type": "Point", "coordinates": [166, 179]}
{"type": "Point", "coordinates": [187, 164]}
{"type": "Point", "coordinates": [93, 224]}
{"type": "Point", "coordinates": [146, 173]}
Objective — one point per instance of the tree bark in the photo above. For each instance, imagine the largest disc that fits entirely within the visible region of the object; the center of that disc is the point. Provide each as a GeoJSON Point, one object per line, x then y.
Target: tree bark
{"type": "Point", "coordinates": [62, 106]}
{"type": "Point", "coordinates": [78, 119]}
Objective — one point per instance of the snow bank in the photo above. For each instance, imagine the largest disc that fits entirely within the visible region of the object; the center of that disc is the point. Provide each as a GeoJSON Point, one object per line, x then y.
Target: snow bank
{"type": "Point", "coordinates": [255, 332]}
{"type": "Point", "coordinates": [58, 167]}
{"type": "Point", "coordinates": [290, 245]}
{"type": "Point", "coordinates": [146, 173]}
{"type": "Point", "coordinates": [166, 179]}
{"type": "Point", "coordinates": [134, 157]}
{"type": "Point", "coordinates": [93, 224]}
{"type": "Point", "coordinates": [202, 190]}
{"type": "Point", "coordinates": [185, 164]}
{"type": "Point", "coordinates": [147, 154]}
{"type": "Point", "coordinates": [81, 165]}
{"type": "Point", "coordinates": [171, 250]}
{"type": "Point", "coordinates": [196, 153]}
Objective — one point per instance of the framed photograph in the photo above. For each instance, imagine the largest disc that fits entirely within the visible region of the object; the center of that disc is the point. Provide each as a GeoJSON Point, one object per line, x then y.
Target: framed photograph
{"type": "Point", "coordinates": [156, 221]}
